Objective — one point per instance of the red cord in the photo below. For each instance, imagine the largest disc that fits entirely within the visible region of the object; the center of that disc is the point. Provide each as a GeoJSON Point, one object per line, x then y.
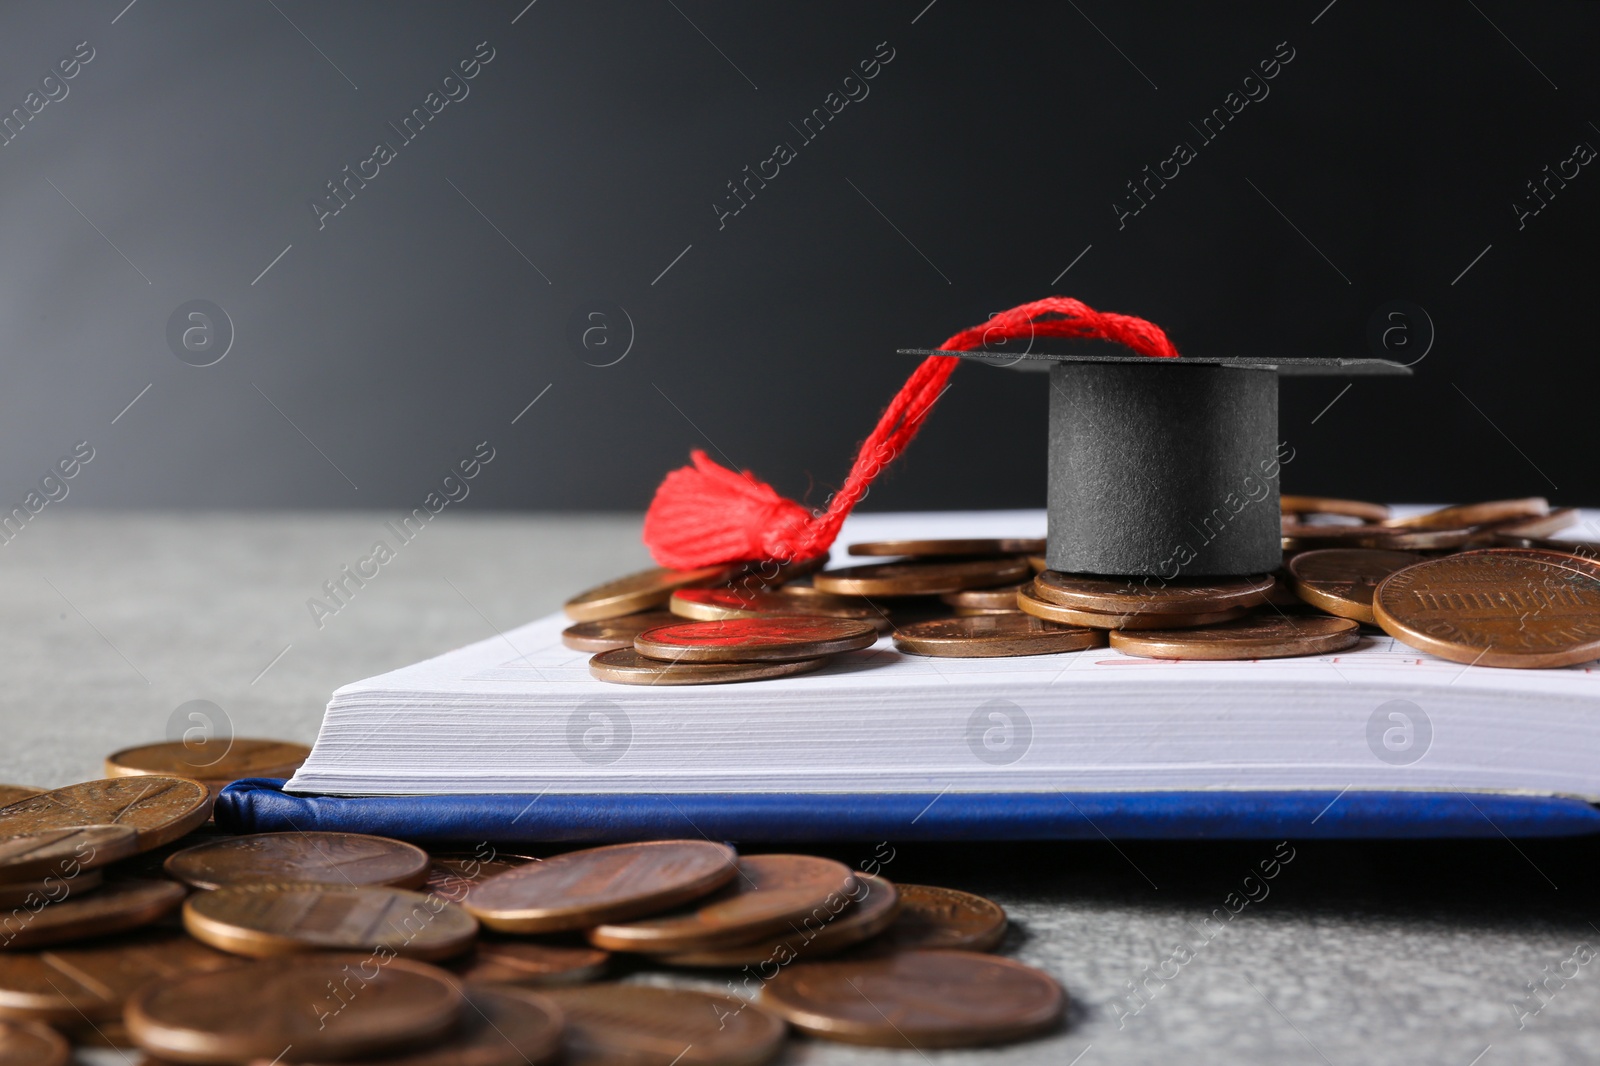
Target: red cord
{"type": "Point", "coordinates": [706, 514]}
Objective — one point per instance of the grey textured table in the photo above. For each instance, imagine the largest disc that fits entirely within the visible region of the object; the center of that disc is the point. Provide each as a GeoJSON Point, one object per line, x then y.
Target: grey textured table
{"type": "Point", "coordinates": [1401, 952]}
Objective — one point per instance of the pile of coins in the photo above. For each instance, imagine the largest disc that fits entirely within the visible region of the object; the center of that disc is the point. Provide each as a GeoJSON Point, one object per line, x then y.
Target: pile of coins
{"type": "Point", "coordinates": [1479, 584]}
{"type": "Point", "coordinates": [128, 920]}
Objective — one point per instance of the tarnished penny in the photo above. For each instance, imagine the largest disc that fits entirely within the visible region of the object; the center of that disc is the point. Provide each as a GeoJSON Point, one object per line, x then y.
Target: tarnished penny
{"type": "Point", "coordinates": [159, 809]}
{"type": "Point", "coordinates": [63, 852]}
{"type": "Point", "coordinates": [1111, 595]}
{"type": "Point", "coordinates": [944, 918]}
{"type": "Point", "coordinates": [1260, 637]}
{"type": "Point", "coordinates": [580, 889]}
{"type": "Point", "coordinates": [1298, 505]}
{"type": "Point", "coordinates": [499, 1027]}
{"type": "Point", "coordinates": [76, 982]}
{"type": "Point", "coordinates": [48, 889]}
{"type": "Point", "coordinates": [920, 578]}
{"type": "Point", "coordinates": [769, 638]}
{"type": "Point", "coordinates": [994, 635]}
{"type": "Point", "coordinates": [967, 546]}
{"type": "Point", "coordinates": [872, 907]}
{"type": "Point", "coordinates": [532, 963]}
{"type": "Point", "coordinates": [267, 920]}
{"type": "Point", "coordinates": [1302, 537]}
{"type": "Point", "coordinates": [1341, 581]}
{"type": "Point", "coordinates": [32, 1044]}
{"type": "Point", "coordinates": [624, 666]}
{"type": "Point", "coordinates": [609, 633]}
{"type": "Point", "coordinates": [1135, 619]}
{"type": "Point", "coordinates": [216, 759]}
{"type": "Point", "coordinates": [1494, 608]}
{"type": "Point", "coordinates": [1003, 598]}
{"type": "Point", "coordinates": [647, 590]}
{"type": "Point", "coordinates": [303, 1009]}
{"type": "Point", "coordinates": [612, 1024]}
{"type": "Point", "coordinates": [300, 858]}
{"type": "Point", "coordinates": [451, 875]}
{"type": "Point", "coordinates": [917, 999]}
{"type": "Point", "coordinates": [111, 908]}
{"type": "Point", "coordinates": [1473, 514]}
{"type": "Point", "coordinates": [710, 605]}
{"type": "Point", "coordinates": [11, 793]}
{"type": "Point", "coordinates": [771, 893]}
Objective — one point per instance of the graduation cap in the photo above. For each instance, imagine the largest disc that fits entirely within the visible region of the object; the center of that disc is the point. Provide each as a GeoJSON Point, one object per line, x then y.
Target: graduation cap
{"type": "Point", "coordinates": [1159, 465]}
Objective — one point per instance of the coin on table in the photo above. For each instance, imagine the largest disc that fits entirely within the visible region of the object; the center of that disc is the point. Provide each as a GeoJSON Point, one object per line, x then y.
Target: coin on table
{"type": "Point", "coordinates": [613, 1023]}
{"type": "Point", "coordinates": [451, 874]}
{"type": "Point", "coordinates": [111, 908]}
{"type": "Point", "coordinates": [11, 793]}
{"type": "Point", "coordinates": [532, 963]}
{"type": "Point", "coordinates": [300, 858]}
{"type": "Point", "coordinates": [1474, 514]}
{"type": "Point", "coordinates": [48, 889]}
{"type": "Point", "coordinates": [266, 920]}
{"type": "Point", "coordinates": [994, 635]}
{"type": "Point", "coordinates": [932, 917]}
{"type": "Point", "coordinates": [63, 852]}
{"type": "Point", "coordinates": [1003, 598]}
{"type": "Point", "coordinates": [624, 666]}
{"type": "Point", "coordinates": [872, 908]}
{"type": "Point", "coordinates": [917, 999]}
{"type": "Point", "coordinates": [159, 809]}
{"type": "Point", "coordinates": [580, 889]}
{"type": "Point", "coordinates": [1341, 581]}
{"type": "Point", "coordinates": [606, 634]}
{"type": "Point", "coordinates": [499, 1027]}
{"type": "Point", "coordinates": [771, 893]}
{"type": "Point", "coordinates": [1127, 595]}
{"type": "Point", "coordinates": [1298, 505]}
{"type": "Point", "coordinates": [921, 578]}
{"type": "Point", "coordinates": [770, 638]}
{"type": "Point", "coordinates": [90, 981]}
{"type": "Point", "coordinates": [215, 759]}
{"type": "Point", "coordinates": [711, 605]}
{"type": "Point", "coordinates": [647, 590]}
{"type": "Point", "coordinates": [1494, 608]}
{"type": "Point", "coordinates": [1134, 619]}
{"type": "Point", "coordinates": [325, 1007]}
{"type": "Point", "coordinates": [1298, 536]}
{"type": "Point", "coordinates": [32, 1044]}
{"type": "Point", "coordinates": [1260, 637]}
{"type": "Point", "coordinates": [952, 546]}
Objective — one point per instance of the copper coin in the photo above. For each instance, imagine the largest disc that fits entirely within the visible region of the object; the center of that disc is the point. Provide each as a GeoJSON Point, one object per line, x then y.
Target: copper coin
{"type": "Point", "coordinates": [921, 578]}
{"type": "Point", "coordinates": [63, 852]}
{"type": "Point", "coordinates": [1583, 549]}
{"type": "Point", "coordinates": [580, 889]}
{"type": "Point", "coordinates": [1474, 514]}
{"type": "Point", "coordinates": [531, 963]}
{"type": "Point", "coordinates": [267, 920]}
{"type": "Point", "coordinates": [1135, 619]}
{"type": "Point", "coordinates": [300, 858]}
{"type": "Point", "coordinates": [89, 981]}
{"type": "Point", "coordinates": [647, 590]}
{"type": "Point", "coordinates": [872, 908]}
{"type": "Point", "coordinates": [1494, 608]}
{"type": "Point", "coordinates": [609, 633]}
{"type": "Point", "coordinates": [613, 1024]}
{"type": "Point", "coordinates": [968, 546]}
{"type": "Point", "coordinates": [978, 612]}
{"type": "Point", "coordinates": [1003, 598]}
{"type": "Point", "coordinates": [944, 918]}
{"type": "Point", "coordinates": [499, 1027]}
{"type": "Point", "coordinates": [450, 875]}
{"type": "Point", "coordinates": [627, 667]}
{"type": "Point", "coordinates": [159, 809]}
{"type": "Point", "coordinates": [1298, 505]}
{"type": "Point", "coordinates": [32, 1044]}
{"type": "Point", "coordinates": [917, 999]}
{"type": "Point", "coordinates": [1130, 595]}
{"type": "Point", "coordinates": [1301, 537]}
{"type": "Point", "coordinates": [48, 889]}
{"type": "Point", "coordinates": [771, 573]}
{"type": "Point", "coordinates": [11, 793]}
{"type": "Point", "coordinates": [1341, 581]}
{"type": "Point", "coordinates": [1537, 526]}
{"type": "Point", "coordinates": [1261, 637]}
{"type": "Point", "coordinates": [1582, 563]}
{"type": "Point", "coordinates": [301, 1009]}
{"type": "Point", "coordinates": [220, 759]}
{"type": "Point", "coordinates": [994, 635]}
{"type": "Point", "coordinates": [771, 893]}
{"type": "Point", "coordinates": [111, 908]}
{"type": "Point", "coordinates": [711, 605]}
{"type": "Point", "coordinates": [770, 638]}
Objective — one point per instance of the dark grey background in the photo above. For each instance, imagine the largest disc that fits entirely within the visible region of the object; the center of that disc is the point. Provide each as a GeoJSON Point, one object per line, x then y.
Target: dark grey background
{"type": "Point", "coordinates": [985, 160]}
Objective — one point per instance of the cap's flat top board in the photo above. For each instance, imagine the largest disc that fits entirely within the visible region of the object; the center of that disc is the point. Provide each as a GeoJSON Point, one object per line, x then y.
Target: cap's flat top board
{"type": "Point", "coordinates": [1303, 366]}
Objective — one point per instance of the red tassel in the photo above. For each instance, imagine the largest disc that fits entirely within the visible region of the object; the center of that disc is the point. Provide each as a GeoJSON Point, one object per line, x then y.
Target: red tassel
{"type": "Point", "coordinates": [706, 514]}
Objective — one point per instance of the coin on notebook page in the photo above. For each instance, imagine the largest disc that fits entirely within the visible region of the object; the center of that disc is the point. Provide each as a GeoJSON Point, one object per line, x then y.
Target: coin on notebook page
{"type": "Point", "coordinates": [917, 999]}
{"type": "Point", "coordinates": [48, 889]}
{"type": "Point", "coordinates": [1259, 637]}
{"type": "Point", "coordinates": [451, 874]}
{"type": "Point", "coordinates": [32, 1044]}
{"type": "Point", "coordinates": [770, 638]}
{"type": "Point", "coordinates": [537, 964]}
{"type": "Point", "coordinates": [609, 633]}
{"type": "Point", "coordinates": [499, 1027]}
{"type": "Point", "coordinates": [710, 605]}
{"type": "Point", "coordinates": [967, 546]}
{"type": "Point", "coordinates": [874, 906]}
{"type": "Point", "coordinates": [943, 918]}
{"type": "Point", "coordinates": [284, 919]}
{"type": "Point", "coordinates": [771, 893]}
{"type": "Point", "coordinates": [647, 590]}
{"type": "Point", "coordinates": [74, 983]}
{"type": "Point", "coordinates": [1125, 595]}
{"type": "Point", "coordinates": [624, 666]}
{"type": "Point", "coordinates": [1135, 619]}
{"type": "Point", "coordinates": [615, 1024]}
{"type": "Point", "coordinates": [111, 908]}
{"type": "Point", "coordinates": [11, 793]}
{"type": "Point", "coordinates": [1494, 608]}
{"type": "Point", "coordinates": [219, 759]}
{"type": "Point", "coordinates": [1341, 581]}
{"type": "Point", "coordinates": [921, 578]}
{"type": "Point", "coordinates": [159, 809]}
{"type": "Point", "coordinates": [63, 852]}
{"type": "Point", "coordinates": [1003, 598]}
{"type": "Point", "coordinates": [1473, 514]}
{"type": "Point", "coordinates": [1299, 536]}
{"type": "Point", "coordinates": [300, 858]}
{"type": "Point", "coordinates": [1299, 505]}
{"type": "Point", "coordinates": [580, 889]}
{"type": "Point", "coordinates": [335, 1006]}
{"type": "Point", "coordinates": [994, 636]}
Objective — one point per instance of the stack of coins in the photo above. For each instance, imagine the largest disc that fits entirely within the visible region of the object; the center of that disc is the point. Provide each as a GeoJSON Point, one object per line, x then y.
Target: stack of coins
{"type": "Point", "coordinates": [1481, 584]}
{"type": "Point", "coordinates": [131, 921]}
